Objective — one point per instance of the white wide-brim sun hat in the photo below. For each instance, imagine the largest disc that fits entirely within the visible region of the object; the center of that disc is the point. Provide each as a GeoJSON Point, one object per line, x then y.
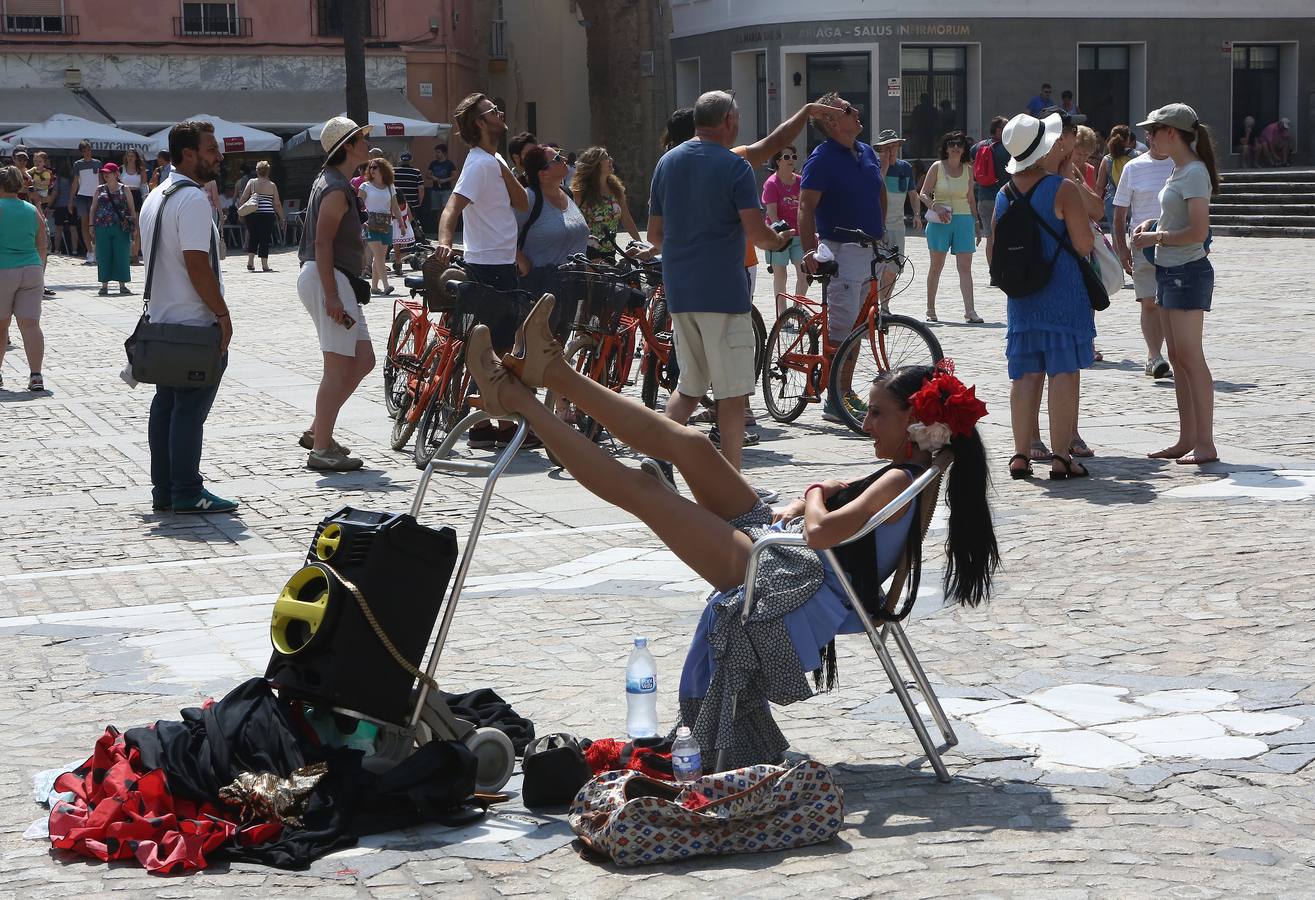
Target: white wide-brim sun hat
{"type": "Point", "coordinates": [1028, 139]}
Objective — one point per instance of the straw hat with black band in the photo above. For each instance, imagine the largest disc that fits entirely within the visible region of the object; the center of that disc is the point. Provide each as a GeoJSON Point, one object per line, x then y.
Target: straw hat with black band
{"type": "Point", "coordinates": [1029, 139]}
{"type": "Point", "coordinates": [337, 132]}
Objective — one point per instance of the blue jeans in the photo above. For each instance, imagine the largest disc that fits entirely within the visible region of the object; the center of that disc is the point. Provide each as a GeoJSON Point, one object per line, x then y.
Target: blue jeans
{"type": "Point", "coordinates": [176, 426]}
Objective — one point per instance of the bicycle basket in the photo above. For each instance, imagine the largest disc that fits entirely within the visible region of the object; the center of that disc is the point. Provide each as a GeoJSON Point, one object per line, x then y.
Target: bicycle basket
{"type": "Point", "coordinates": [602, 297]}
{"type": "Point", "coordinates": [502, 311]}
{"type": "Point", "coordinates": [437, 298]}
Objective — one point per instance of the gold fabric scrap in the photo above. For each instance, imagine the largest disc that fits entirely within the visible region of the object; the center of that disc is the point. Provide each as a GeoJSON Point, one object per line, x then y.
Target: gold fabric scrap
{"type": "Point", "coordinates": [264, 796]}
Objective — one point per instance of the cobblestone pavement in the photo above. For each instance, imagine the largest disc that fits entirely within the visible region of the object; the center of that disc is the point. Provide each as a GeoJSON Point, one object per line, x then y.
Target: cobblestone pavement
{"type": "Point", "coordinates": [1180, 599]}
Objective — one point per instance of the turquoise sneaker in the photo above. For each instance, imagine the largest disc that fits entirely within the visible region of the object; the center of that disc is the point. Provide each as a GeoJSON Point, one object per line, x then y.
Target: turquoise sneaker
{"type": "Point", "coordinates": [830, 413]}
{"type": "Point", "coordinates": [205, 502]}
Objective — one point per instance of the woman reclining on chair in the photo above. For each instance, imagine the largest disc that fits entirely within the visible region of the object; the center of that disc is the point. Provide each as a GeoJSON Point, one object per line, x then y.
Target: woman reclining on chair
{"type": "Point", "coordinates": [800, 606]}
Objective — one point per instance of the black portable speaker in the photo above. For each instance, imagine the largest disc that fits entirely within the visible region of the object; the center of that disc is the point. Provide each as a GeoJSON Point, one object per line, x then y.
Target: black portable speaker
{"type": "Point", "coordinates": [325, 651]}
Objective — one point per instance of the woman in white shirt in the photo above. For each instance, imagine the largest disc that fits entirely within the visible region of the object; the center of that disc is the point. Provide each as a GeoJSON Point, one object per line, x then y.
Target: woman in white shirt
{"type": "Point", "coordinates": [381, 210]}
{"type": "Point", "coordinates": [132, 174]}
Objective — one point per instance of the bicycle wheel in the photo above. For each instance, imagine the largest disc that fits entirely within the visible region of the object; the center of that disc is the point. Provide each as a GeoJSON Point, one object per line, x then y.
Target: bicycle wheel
{"type": "Point", "coordinates": [785, 381]}
{"type": "Point", "coordinates": [657, 374]}
{"type": "Point", "coordinates": [449, 406]}
{"type": "Point", "coordinates": [581, 356]}
{"type": "Point", "coordinates": [408, 417]}
{"type": "Point", "coordinates": [872, 351]}
{"type": "Point", "coordinates": [402, 353]}
{"type": "Point", "coordinates": [759, 342]}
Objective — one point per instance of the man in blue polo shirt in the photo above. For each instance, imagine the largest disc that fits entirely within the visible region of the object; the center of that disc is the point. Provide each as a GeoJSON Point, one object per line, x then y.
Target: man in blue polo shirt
{"type": "Point", "coordinates": [842, 187]}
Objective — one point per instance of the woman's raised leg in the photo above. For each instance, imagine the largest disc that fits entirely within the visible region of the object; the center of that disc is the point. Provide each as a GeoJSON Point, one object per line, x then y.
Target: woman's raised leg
{"type": "Point", "coordinates": [701, 537]}
{"type": "Point", "coordinates": [715, 483]}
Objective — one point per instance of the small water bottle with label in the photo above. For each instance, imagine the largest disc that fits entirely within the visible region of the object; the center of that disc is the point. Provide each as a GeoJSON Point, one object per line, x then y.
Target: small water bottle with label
{"type": "Point", "coordinates": [641, 692]}
{"type": "Point", "coordinates": [686, 757]}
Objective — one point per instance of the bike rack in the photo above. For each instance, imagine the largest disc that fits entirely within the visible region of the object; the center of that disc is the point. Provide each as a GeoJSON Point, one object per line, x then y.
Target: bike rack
{"type": "Point", "coordinates": [492, 472]}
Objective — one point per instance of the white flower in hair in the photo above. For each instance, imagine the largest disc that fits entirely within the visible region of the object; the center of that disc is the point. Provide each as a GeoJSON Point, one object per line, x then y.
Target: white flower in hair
{"type": "Point", "coordinates": [930, 438]}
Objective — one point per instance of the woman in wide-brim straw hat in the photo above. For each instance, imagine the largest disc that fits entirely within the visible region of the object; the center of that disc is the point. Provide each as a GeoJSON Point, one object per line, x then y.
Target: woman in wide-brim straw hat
{"type": "Point", "coordinates": [1184, 277]}
{"type": "Point", "coordinates": [1050, 332]}
{"type": "Point", "coordinates": [331, 247]}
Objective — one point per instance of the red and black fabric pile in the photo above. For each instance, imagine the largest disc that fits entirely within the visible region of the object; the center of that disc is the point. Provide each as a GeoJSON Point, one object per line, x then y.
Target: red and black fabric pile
{"type": "Point", "coordinates": [152, 794]}
{"type": "Point", "coordinates": [651, 756]}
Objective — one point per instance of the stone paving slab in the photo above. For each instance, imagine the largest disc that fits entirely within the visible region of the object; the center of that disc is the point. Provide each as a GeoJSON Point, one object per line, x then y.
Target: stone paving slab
{"type": "Point", "coordinates": [1148, 578]}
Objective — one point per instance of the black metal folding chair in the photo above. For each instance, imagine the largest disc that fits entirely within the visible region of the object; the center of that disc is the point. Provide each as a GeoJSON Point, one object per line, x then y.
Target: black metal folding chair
{"type": "Point", "coordinates": [887, 621]}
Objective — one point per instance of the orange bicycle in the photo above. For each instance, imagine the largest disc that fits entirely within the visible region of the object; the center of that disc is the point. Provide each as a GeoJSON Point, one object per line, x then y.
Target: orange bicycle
{"type": "Point", "coordinates": [408, 339]}
{"type": "Point", "coordinates": [802, 361]}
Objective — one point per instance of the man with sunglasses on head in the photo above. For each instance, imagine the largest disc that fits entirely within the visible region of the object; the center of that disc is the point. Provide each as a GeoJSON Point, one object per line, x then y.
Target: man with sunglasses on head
{"type": "Point", "coordinates": [485, 199]}
{"type": "Point", "coordinates": [842, 188]}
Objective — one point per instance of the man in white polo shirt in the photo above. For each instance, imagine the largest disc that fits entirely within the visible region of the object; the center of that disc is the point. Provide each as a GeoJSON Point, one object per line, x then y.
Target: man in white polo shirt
{"type": "Point", "coordinates": [485, 199]}
{"type": "Point", "coordinates": [182, 262]}
{"type": "Point", "coordinates": [1137, 199]}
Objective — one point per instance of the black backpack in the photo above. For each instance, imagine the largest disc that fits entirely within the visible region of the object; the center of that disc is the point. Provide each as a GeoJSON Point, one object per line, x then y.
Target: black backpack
{"type": "Point", "coordinates": [1018, 266]}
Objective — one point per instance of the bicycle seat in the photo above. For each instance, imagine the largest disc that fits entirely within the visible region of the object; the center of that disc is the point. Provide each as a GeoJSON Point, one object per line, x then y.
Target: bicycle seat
{"type": "Point", "coordinates": [829, 269]}
{"type": "Point", "coordinates": [414, 282]}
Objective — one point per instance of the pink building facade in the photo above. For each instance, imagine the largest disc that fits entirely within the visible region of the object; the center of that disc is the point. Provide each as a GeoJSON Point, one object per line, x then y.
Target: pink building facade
{"type": "Point", "coordinates": [274, 64]}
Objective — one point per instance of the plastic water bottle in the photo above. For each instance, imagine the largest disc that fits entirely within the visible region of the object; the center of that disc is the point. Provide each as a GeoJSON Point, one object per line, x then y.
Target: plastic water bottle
{"type": "Point", "coordinates": [641, 692]}
{"type": "Point", "coordinates": [686, 757]}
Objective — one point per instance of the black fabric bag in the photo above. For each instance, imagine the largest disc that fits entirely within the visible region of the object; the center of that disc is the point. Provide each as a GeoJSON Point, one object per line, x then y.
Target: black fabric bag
{"type": "Point", "coordinates": [360, 287]}
{"type": "Point", "coordinates": [174, 355]}
{"type": "Point", "coordinates": [555, 770]}
{"type": "Point", "coordinates": [1018, 267]}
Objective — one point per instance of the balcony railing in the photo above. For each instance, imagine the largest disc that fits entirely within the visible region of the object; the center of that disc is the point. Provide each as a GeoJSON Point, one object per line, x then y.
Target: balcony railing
{"type": "Point", "coordinates": [41, 24]}
{"type": "Point", "coordinates": [187, 26]}
{"type": "Point", "coordinates": [498, 40]}
{"type": "Point", "coordinates": [328, 18]}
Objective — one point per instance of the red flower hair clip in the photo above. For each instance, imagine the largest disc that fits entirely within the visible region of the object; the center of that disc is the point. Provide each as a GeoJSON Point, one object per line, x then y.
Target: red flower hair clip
{"type": "Point", "coordinates": [945, 399]}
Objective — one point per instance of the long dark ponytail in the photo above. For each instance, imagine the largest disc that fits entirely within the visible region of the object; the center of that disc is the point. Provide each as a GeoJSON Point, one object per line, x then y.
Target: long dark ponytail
{"type": "Point", "coordinates": [971, 553]}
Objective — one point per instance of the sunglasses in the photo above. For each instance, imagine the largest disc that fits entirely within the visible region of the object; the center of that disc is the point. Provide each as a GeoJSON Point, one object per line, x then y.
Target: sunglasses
{"type": "Point", "coordinates": [959, 144]}
{"type": "Point", "coordinates": [789, 156]}
{"type": "Point", "coordinates": [559, 158]}
{"type": "Point", "coordinates": [491, 112]}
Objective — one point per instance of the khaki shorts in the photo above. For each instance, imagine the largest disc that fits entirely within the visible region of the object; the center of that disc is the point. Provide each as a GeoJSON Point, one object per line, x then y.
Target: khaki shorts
{"type": "Point", "coordinates": [1143, 276]}
{"type": "Point", "coordinates": [20, 293]}
{"type": "Point", "coordinates": [333, 337]}
{"type": "Point", "coordinates": [895, 236]}
{"type": "Point", "coordinates": [714, 350]}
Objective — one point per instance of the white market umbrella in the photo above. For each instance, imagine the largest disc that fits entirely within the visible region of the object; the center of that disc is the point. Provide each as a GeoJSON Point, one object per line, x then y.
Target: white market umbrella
{"type": "Point", "coordinates": [233, 137]}
{"type": "Point", "coordinates": [384, 126]}
{"type": "Point", "coordinates": [64, 132]}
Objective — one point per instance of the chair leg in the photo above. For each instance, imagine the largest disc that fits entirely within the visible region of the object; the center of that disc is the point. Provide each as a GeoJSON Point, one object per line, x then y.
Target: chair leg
{"type": "Point", "coordinates": [897, 683]}
{"type": "Point", "coordinates": [920, 676]}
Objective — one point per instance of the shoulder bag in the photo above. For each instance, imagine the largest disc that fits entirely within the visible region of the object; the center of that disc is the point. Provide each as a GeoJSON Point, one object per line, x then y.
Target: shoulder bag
{"type": "Point", "coordinates": [1096, 292]}
{"type": "Point", "coordinates": [250, 205]}
{"type": "Point", "coordinates": [174, 355]}
{"type": "Point", "coordinates": [636, 820]}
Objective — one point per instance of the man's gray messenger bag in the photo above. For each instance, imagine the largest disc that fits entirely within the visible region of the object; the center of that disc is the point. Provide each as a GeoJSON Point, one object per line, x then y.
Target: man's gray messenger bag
{"type": "Point", "coordinates": [174, 355]}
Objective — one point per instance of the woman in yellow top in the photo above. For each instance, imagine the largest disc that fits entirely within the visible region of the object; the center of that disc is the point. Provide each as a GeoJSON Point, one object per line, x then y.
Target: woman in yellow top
{"type": "Point", "coordinates": [951, 219]}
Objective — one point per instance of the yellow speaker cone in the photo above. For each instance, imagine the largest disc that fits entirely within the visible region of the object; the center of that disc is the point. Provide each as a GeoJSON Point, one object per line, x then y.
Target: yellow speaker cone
{"type": "Point", "coordinates": [299, 610]}
{"type": "Point", "coordinates": [326, 545]}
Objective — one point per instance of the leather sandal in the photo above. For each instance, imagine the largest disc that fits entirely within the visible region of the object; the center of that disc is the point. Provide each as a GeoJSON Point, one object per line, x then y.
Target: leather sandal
{"type": "Point", "coordinates": [1019, 474]}
{"type": "Point", "coordinates": [1071, 469]}
{"type": "Point", "coordinates": [541, 348]}
{"type": "Point", "coordinates": [487, 371]}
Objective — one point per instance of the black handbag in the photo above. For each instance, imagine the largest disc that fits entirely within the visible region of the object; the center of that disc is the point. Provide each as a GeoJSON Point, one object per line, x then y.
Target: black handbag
{"type": "Point", "coordinates": [174, 355]}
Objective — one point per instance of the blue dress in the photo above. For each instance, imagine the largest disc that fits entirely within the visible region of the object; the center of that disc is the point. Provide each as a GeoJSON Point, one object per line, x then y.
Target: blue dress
{"type": "Point", "coordinates": [1052, 330]}
{"type": "Point", "coordinates": [813, 624]}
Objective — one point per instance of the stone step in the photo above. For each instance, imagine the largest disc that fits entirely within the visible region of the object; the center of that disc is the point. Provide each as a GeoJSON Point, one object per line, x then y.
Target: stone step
{"type": "Point", "coordinates": [1219, 208]}
{"type": "Point", "coordinates": [1268, 175]}
{"type": "Point", "coordinates": [1265, 220]}
{"type": "Point", "coordinates": [1266, 187]}
{"type": "Point", "coordinates": [1267, 200]}
{"type": "Point", "coordinates": [1254, 231]}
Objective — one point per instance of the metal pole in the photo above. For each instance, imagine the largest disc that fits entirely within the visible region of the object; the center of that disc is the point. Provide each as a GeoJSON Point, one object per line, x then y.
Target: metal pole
{"type": "Point", "coordinates": [476, 526]}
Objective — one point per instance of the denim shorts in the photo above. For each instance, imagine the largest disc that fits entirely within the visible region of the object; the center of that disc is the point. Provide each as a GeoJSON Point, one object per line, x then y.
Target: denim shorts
{"type": "Point", "coordinates": [379, 237]}
{"type": "Point", "coordinates": [1189, 286]}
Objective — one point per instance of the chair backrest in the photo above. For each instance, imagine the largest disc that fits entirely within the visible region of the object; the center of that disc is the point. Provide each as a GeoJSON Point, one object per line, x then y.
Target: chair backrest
{"type": "Point", "coordinates": [291, 204]}
{"type": "Point", "coordinates": [929, 500]}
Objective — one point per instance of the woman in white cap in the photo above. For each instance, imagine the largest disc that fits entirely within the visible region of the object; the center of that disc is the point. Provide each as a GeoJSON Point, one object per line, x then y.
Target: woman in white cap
{"type": "Point", "coordinates": [1050, 332]}
{"type": "Point", "coordinates": [1184, 277]}
{"type": "Point", "coordinates": [332, 256]}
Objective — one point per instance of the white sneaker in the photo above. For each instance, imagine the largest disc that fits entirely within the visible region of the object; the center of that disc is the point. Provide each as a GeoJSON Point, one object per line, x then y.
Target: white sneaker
{"type": "Point", "coordinates": [91, 259]}
{"type": "Point", "coordinates": [1157, 367]}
